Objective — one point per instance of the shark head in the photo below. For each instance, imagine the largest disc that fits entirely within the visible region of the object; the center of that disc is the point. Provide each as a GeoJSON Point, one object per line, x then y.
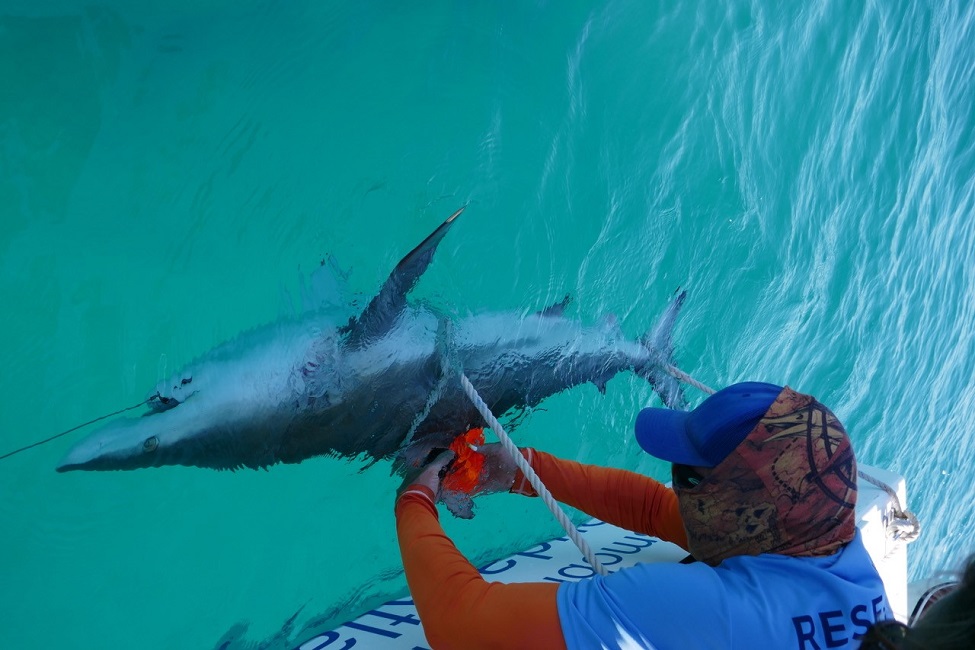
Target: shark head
{"type": "Point", "coordinates": [129, 443]}
{"type": "Point", "coordinates": [226, 410]}
{"type": "Point", "coordinates": [184, 435]}
{"type": "Point", "coordinates": [219, 425]}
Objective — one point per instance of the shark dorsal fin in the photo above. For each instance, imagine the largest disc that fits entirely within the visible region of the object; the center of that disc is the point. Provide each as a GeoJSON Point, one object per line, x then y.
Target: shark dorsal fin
{"type": "Point", "coordinates": [380, 314]}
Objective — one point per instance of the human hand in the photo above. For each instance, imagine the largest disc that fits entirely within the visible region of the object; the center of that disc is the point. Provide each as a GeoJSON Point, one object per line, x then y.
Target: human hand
{"type": "Point", "coordinates": [492, 471]}
{"type": "Point", "coordinates": [468, 469]}
{"type": "Point", "coordinates": [429, 475]}
{"type": "Point", "coordinates": [498, 472]}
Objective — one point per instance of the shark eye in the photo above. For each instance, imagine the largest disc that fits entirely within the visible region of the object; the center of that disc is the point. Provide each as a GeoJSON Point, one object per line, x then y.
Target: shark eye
{"type": "Point", "coordinates": [150, 444]}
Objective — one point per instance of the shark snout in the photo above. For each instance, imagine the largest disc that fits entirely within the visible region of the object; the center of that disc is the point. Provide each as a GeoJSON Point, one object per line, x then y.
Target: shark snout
{"type": "Point", "coordinates": [117, 446]}
{"type": "Point", "coordinates": [77, 459]}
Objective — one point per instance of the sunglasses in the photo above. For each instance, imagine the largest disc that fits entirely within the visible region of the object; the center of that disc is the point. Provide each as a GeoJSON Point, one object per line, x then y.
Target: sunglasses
{"type": "Point", "coordinates": [884, 635]}
{"type": "Point", "coordinates": [685, 476]}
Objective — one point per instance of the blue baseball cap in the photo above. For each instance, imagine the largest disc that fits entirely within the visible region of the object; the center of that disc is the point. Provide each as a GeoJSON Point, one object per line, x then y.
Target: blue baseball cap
{"type": "Point", "coordinates": [705, 436]}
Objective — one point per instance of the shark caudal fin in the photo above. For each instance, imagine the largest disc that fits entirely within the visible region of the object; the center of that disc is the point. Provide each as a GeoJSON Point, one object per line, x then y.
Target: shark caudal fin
{"type": "Point", "coordinates": [378, 317]}
{"type": "Point", "coordinates": [659, 342]}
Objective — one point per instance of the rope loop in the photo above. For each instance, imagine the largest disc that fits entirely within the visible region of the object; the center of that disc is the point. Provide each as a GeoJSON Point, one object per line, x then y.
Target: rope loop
{"type": "Point", "coordinates": [903, 525]}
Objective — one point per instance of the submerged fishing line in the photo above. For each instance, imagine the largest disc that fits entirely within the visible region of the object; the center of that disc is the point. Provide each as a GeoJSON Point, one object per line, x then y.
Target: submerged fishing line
{"type": "Point", "coordinates": [80, 426]}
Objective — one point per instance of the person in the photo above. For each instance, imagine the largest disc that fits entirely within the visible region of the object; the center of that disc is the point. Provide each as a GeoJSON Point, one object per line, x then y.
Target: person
{"type": "Point", "coordinates": [943, 619]}
{"type": "Point", "coordinates": [764, 494]}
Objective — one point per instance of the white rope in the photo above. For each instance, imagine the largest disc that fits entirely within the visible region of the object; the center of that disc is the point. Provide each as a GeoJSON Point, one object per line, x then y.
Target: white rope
{"type": "Point", "coordinates": [532, 476]}
{"type": "Point", "coordinates": [687, 379]}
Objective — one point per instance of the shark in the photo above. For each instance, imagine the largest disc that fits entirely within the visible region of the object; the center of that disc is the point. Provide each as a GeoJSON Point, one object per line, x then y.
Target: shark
{"type": "Point", "coordinates": [380, 386]}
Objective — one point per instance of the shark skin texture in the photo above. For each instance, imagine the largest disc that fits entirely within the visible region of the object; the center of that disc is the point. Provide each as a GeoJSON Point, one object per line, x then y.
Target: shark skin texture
{"type": "Point", "coordinates": [384, 385]}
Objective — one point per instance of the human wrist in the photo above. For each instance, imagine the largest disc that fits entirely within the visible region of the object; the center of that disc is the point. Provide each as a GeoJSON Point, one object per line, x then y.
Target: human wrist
{"type": "Point", "coordinates": [415, 493]}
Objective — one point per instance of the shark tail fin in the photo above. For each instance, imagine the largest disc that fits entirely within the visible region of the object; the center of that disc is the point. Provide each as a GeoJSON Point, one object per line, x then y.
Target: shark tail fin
{"type": "Point", "coordinates": [660, 344]}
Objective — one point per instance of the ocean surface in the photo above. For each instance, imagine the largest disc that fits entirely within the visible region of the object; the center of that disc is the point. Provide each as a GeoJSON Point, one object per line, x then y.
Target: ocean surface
{"type": "Point", "coordinates": [169, 173]}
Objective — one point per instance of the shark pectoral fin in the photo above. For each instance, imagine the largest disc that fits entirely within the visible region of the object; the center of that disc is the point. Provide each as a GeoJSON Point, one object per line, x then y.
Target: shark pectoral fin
{"type": "Point", "coordinates": [380, 314]}
{"type": "Point", "coordinates": [325, 287]}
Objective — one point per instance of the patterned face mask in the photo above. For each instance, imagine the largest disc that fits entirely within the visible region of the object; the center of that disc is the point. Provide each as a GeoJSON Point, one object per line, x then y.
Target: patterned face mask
{"type": "Point", "coordinates": [789, 488]}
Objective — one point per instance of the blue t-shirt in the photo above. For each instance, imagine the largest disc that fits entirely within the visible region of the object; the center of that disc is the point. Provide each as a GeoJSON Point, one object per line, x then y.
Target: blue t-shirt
{"type": "Point", "coordinates": [763, 601]}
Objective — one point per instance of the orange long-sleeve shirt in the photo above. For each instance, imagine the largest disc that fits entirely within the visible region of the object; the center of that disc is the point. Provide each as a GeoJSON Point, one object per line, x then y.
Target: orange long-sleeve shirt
{"type": "Point", "coordinates": [459, 609]}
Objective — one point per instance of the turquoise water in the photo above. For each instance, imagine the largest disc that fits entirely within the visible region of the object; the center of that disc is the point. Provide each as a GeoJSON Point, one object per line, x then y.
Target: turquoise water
{"type": "Point", "coordinates": [169, 172]}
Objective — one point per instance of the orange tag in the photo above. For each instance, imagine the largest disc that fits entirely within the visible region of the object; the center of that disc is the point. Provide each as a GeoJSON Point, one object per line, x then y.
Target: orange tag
{"type": "Point", "coordinates": [466, 470]}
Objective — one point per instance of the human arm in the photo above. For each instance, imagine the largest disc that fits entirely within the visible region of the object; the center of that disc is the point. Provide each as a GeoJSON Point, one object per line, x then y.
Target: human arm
{"type": "Point", "coordinates": [619, 497]}
{"type": "Point", "coordinates": [457, 607]}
